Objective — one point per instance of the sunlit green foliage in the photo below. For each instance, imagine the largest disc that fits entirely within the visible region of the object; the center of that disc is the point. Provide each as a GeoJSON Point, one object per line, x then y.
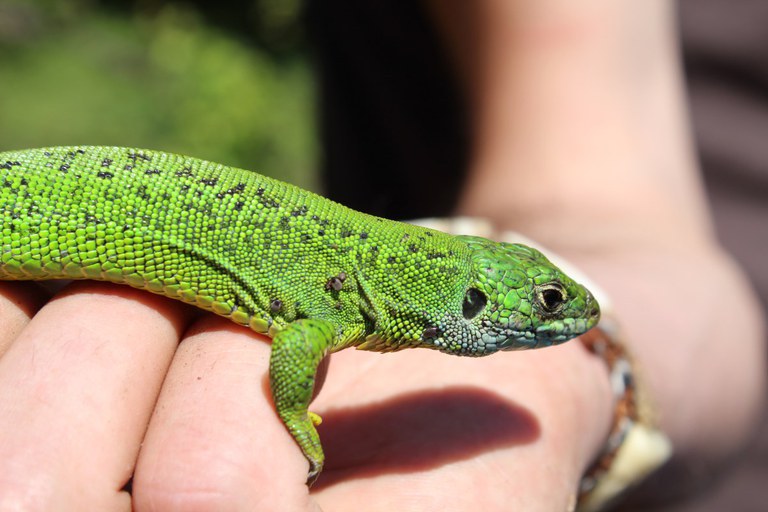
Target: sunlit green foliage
{"type": "Point", "coordinates": [75, 72]}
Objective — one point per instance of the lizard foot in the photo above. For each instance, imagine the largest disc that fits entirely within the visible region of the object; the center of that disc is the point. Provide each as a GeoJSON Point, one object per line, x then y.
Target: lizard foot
{"type": "Point", "coordinates": [315, 418]}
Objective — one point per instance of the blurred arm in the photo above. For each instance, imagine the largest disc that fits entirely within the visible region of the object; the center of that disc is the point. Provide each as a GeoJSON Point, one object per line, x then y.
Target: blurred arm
{"type": "Point", "coordinates": [581, 141]}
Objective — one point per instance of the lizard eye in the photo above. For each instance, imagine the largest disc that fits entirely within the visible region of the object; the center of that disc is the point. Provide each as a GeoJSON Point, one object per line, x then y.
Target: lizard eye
{"type": "Point", "coordinates": [474, 303]}
{"type": "Point", "coordinates": [552, 297]}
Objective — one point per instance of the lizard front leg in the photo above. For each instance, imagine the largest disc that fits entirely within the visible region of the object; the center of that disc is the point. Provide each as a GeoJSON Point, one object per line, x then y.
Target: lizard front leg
{"type": "Point", "coordinates": [296, 353]}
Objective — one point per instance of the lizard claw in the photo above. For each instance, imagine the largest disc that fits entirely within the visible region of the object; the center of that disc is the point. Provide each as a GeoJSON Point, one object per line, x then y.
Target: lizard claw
{"type": "Point", "coordinates": [315, 468]}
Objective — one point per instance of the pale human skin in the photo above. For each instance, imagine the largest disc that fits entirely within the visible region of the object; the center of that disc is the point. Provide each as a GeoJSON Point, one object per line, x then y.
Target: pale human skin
{"type": "Point", "coordinates": [179, 398]}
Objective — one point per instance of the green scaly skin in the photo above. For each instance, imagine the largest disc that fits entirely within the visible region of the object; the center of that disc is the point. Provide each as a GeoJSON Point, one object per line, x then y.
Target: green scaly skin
{"type": "Point", "coordinates": [315, 276]}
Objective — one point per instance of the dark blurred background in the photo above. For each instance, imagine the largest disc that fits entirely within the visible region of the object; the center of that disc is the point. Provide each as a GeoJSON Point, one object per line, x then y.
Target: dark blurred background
{"type": "Point", "coordinates": [231, 81]}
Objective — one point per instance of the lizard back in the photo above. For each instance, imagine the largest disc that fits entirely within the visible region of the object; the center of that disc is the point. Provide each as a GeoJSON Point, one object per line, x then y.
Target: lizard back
{"type": "Point", "coordinates": [259, 251]}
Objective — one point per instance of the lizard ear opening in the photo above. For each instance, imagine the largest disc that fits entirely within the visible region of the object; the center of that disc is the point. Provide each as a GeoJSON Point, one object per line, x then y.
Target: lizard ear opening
{"type": "Point", "coordinates": [474, 303]}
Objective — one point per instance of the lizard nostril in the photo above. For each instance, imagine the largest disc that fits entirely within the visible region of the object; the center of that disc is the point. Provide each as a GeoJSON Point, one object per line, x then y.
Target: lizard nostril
{"type": "Point", "coordinates": [594, 310]}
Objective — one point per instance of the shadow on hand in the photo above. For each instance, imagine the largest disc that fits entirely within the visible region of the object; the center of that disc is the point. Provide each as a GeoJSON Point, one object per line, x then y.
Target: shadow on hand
{"type": "Point", "coordinates": [419, 431]}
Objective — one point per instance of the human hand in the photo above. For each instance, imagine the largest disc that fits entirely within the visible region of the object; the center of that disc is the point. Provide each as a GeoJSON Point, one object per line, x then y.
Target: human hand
{"type": "Point", "coordinates": [78, 385]}
{"type": "Point", "coordinates": [78, 391]}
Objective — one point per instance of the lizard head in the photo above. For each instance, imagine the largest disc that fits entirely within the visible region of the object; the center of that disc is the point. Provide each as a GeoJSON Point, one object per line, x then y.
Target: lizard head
{"type": "Point", "coordinates": [517, 299]}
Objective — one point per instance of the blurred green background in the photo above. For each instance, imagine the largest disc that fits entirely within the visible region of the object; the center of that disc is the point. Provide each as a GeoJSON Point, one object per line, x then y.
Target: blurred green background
{"type": "Point", "coordinates": [226, 81]}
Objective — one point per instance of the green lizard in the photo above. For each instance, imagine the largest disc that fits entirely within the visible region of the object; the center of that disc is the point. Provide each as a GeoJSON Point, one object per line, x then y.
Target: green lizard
{"type": "Point", "coordinates": [315, 276]}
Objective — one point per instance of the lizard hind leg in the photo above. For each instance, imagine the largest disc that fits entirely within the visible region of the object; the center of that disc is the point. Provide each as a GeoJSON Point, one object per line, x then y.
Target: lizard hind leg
{"type": "Point", "coordinates": [296, 353]}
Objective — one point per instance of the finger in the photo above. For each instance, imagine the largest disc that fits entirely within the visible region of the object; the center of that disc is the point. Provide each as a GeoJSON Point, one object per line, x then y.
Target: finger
{"type": "Point", "coordinates": [215, 441]}
{"type": "Point", "coordinates": [19, 301]}
{"type": "Point", "coordinates": [76, 390]}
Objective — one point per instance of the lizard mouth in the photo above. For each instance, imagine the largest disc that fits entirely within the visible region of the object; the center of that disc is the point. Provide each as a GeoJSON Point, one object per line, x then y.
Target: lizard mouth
{"type": "Point", "coordinates": [550, 334]}
{"type": "Point", "coordinates": [567, 328]}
